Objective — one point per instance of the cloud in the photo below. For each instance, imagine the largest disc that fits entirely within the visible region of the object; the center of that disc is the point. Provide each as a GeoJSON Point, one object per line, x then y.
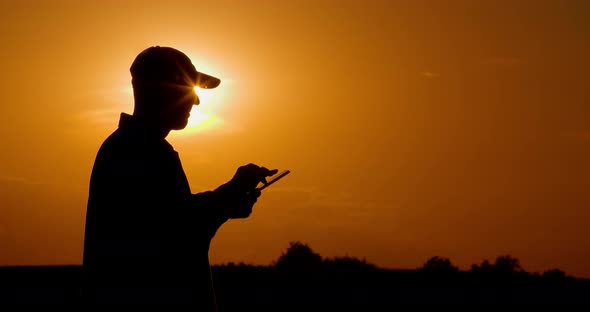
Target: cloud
{"type": "Point", "coordinates": [429, 74]}
{"type": "Point", "coordinates": [18, 180]}
{"type": "Point", "coordinates": [100, 116]}
{"type": "Point", "coordinates": [327, 207]}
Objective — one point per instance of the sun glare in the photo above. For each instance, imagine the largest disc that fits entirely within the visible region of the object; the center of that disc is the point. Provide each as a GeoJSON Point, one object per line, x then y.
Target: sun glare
{"type": "Point", "coordinates": [205, 95]}
{"type": "Point", "coordinates": [203, 115]}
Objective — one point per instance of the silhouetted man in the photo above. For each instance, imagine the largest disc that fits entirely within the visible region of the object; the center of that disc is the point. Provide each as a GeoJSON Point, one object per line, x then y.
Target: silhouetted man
{"type": "Point", "coordinates": [147, 236]}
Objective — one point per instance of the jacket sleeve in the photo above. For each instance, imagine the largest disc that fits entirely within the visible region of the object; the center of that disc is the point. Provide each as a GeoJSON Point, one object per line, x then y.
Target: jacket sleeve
{"type": "Point", "coordinates": [215, 207]}
{"type": "Point", "coordinates": [209, 209]}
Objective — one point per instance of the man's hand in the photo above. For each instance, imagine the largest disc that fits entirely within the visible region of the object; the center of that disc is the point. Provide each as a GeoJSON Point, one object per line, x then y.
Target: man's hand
{"type": "Point", "coordinates": [241, 193]}
{"type": "Point", "coordinates": [247, 177]}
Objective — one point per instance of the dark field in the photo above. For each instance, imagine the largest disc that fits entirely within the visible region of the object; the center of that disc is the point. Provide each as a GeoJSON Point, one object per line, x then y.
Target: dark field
{"type": "Point", "coordinates": [302, 279]}
{"type": "Point", "coordinates": [244, 286]}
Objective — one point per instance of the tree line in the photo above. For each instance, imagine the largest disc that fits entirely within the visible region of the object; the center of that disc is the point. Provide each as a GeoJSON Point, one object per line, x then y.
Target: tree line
{"type": "Point", "coordinates": [300, 258]}
{"type": "Point", "coordinates": [302, 278]}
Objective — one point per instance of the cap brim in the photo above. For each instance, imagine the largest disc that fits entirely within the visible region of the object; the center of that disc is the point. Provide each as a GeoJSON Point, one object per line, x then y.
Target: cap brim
{"type": "Point", "coordinates": [205, 81]}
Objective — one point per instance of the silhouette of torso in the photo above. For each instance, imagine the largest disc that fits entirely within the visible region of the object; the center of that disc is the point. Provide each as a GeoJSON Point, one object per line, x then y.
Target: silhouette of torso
{"type": "Point", "coordinates": [146, 239]}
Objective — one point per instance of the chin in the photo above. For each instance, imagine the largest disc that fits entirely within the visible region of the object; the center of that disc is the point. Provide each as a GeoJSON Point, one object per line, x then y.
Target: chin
{"type": "Point", "coordinates": [180, 125]}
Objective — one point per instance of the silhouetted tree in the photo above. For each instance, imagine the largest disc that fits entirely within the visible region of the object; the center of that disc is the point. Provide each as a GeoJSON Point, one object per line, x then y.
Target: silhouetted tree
{"type": "Point", "coordinates": [506, 271]}
{"type": "Point", "coordinates": [348, 264]}
{"type": "Point", "coordinates": [507, 264]}
{"type": "Point", "coordinates": [439, 265]}
{"type": "Point", "coordinates": [504, 265]}
{"type": "Point", "coordinates": [299, 257]}
{"type": "Point", "coordinates": [554, 275]}
{"type": "Point", "coordinates": [485, 266]}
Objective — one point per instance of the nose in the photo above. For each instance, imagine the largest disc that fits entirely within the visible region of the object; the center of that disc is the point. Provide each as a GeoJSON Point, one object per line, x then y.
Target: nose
{"type": "Point", "coordinates": [196, 100]}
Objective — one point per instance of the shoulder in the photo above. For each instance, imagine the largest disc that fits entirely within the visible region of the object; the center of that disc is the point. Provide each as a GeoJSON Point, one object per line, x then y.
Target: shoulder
{"type": "Point", "coordinates": [113, 143]}
{"type": "Point", "coordinates": [131, 148]}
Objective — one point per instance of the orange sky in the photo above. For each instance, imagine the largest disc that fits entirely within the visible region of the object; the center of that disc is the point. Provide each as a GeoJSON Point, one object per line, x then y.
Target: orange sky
{"type": "Point", "coordinates": [412, 129]}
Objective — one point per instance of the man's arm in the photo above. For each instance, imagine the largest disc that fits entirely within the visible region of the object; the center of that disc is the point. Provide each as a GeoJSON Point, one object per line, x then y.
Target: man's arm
{"type": "Point", "coordinates": [232, 200]}
{"type": "Point", "coordinates": [214, 208]}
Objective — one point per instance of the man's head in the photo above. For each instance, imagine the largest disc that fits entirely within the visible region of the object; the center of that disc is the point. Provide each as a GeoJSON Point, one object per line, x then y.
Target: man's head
{"type": "Point", "coordinates": [163, 80]}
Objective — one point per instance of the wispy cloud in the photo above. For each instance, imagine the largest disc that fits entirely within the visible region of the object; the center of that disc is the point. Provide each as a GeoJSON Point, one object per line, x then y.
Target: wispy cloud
{"type": "Point", "coordinates": [32, 184]}
{"type": "Point", "coordinates": [429, 74]}
{"type": "Point", "coordinates": [19, 180]}
{"type": "Point", "coordinates": [100, 116]}
{"type": "Point", "coordinates": [325, 205]}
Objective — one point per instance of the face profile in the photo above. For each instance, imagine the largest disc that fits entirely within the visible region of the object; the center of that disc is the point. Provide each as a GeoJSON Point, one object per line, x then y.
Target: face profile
{"type": "Point", "coordinates": [177, 107]}
{"type": "Point", "coordinates": [163, 81]}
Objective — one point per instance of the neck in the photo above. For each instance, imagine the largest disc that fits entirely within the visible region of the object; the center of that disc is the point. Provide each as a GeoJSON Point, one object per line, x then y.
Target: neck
{"type": "Point", "coordinates": [151, 125]}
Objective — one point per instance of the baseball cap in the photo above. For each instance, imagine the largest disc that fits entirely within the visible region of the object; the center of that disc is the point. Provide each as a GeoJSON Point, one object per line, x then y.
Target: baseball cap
{"type": "Point", "coordinates": [169, 65]}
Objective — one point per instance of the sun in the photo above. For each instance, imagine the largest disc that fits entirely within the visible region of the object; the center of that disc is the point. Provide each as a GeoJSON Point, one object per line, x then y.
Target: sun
{"type": "Point", "coordinates": [203, 115]}
{"type": "Point", "coordinates": [205, 95]}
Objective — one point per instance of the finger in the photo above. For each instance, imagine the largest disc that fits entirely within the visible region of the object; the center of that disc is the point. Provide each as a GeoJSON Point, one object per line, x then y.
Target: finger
{"type": "Point", "coordinates": [272, 172]}
{"type": "Point", "coordinates": [266, 172]}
